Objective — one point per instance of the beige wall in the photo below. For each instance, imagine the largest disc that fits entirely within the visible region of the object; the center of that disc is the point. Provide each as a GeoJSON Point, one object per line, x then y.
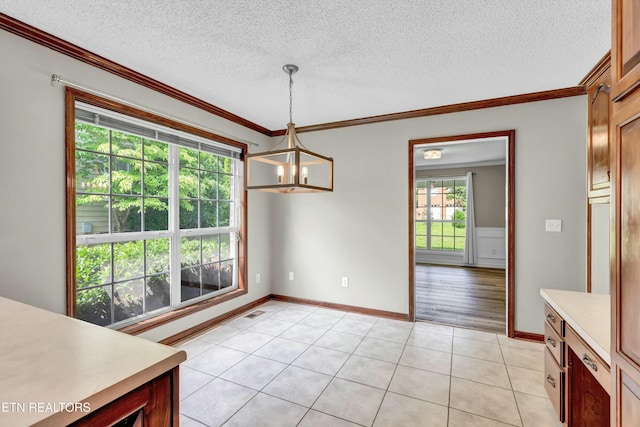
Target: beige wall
{"type": "Point", "coordinates": [361, 229]}
{"type": "Point", "coordinates": [489, 191]}
{"type": "Point", "coordinates": [32, 177]}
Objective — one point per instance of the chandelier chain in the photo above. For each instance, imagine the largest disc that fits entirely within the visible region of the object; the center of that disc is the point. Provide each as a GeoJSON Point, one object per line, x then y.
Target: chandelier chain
{"type": "Point", "coordinates": [290, 97]}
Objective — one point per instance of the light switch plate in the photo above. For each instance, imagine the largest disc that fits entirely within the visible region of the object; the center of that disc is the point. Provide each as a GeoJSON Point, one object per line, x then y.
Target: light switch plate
{"type": "Point", "coordinates": [553, 225]}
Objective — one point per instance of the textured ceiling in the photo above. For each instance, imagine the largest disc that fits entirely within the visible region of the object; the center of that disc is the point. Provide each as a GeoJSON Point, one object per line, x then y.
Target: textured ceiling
{"type": "Point", "coordinates": [357, 58]}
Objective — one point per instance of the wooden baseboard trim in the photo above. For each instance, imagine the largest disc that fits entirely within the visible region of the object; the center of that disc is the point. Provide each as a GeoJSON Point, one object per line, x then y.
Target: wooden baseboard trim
{"type": "Point", "coordinates": [528, 336]}
{"type": "Point", "coordinates": [209, 323]}
{"type": "Point", "coordinates": [187, 333]}
{"type": "Point", "coordinates": [343, 307]}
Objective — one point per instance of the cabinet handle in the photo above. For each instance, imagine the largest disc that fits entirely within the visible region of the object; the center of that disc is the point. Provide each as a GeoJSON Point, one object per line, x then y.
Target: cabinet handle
{"type": "Point", "coordinates": [551, 318]}
{"type": "Point", "coordinates": [551, 342]}
{"type": "Point", "coordinates": [551, 381]}
{"type": "Point", "coordinates": [603, 87]}
{"type": "Point", "coordinates": [587, 361]}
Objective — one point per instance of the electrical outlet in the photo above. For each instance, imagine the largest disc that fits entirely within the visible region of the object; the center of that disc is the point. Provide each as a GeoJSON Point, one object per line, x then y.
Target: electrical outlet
{"type": "Point", "coordinates": [291, 275]}
{"type": "Point", "coordinates": [258, 278]}
{"type": "Point", "coordinates": [345, 282]}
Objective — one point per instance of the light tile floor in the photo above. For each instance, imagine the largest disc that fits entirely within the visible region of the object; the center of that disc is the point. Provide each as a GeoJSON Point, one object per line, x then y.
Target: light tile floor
{"type": "Point", "coordinates": [300, 365]}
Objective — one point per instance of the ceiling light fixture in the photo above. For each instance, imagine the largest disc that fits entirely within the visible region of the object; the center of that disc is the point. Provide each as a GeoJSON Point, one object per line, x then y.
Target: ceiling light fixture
{"type": "Point", "coordinates": [291, 169]}
{"type": "Point", "coordinates": [432, 153]}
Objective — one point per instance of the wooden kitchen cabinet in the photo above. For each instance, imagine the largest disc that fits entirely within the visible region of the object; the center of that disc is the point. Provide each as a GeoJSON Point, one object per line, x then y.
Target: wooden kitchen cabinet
{"type": "Point", "coordinates": [588, 402]}
{"type": "Point", "coordinates": [577, 378]}
{"type": "Point", "coordinates": [554, 373]}
{"type": "Point", "coordinates": [598, 84]}
{"type": "Point", "coordinates": [625, 185]}
{"type": "Point", "coordinates": [625, 48]}
{"type": "Point", "coordinates": [150, 405]}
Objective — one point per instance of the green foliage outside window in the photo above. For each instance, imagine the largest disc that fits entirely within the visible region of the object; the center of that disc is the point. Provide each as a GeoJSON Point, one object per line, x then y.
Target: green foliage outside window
{"type": "Point", "coordinates": [124, 179]}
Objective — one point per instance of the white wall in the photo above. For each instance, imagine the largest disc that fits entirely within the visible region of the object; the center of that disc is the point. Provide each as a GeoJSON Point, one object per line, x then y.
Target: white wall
{"type": "Point", "coordinates": [32, 177]}
{"type": "Point", "coordinates": [361, 229]}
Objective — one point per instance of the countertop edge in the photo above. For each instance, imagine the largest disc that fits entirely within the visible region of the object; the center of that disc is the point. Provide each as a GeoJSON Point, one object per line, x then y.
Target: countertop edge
{"type": "Point", "coordinates": [104, 397]}
{"type": "Point", "coordinates": [603, 353]}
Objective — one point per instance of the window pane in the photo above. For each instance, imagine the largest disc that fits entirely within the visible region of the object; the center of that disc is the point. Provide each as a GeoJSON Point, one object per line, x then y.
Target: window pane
{"type": "Point", "coordinates": [208, 214]}
{"type": "Point", "coordinates": [156, 214]}
{"type": "Point", "coordinates": [189, 283]}
{"type": "Point", "coordinates": [421, 229]}
{"type": "Point", "coordinates": [436, 229]}
{"type": "Point", "coordinates": [188, 214]}
{"type": "Point", "coordinates": [224, 214]}
{"type": "Point", "coordinates": [126, 214]}
{"type": "Point", "coordinates": [157, 252]}
{"type": "Point", "coordinates": [210, 248]}
{"type": "Point", "coordinates": [93, 265]}
{"type": "Point", "coordinates": [92, 214]}
{"type": "Point", "coordinates": [459, 244]}
{"type": "Point", "coordinates": [190, 251]}
{"type": "Point", "coordinates": [128, 260]}
{"type": "Point", "coordinates": [208, 185]}
{"type": "Point", "coordinates": [447, 229]}
{"type": "Point", "coordinates": [126, 145]}
{"type": "Point", "coordinates": [92, 138]}
{"type": "Point", "coordinates": [188, 183]}
{"type": "Point", "coordinates": [224, 189]}
{"type": "Point", "coordinates": [208, 161]}
{"type": "Point", "coordinates": [448, 243]}
{"type": "Point", "coordinates": [156, 179]}
{"type": "Point", "coordinates": [421, 242]}
{"type": "Point", "coordinates": [225, 246]}
{"type": "Point", "coordinates": [188, 158]}
{"type": "Point", "coordinates": [126, 176]}
{"type": "Point", "coordinates": [461, 229]}
{"type": "Point", "coordinates": [436, 243]}
{"type": "Point", "coordinates": [226, 274]}
{"type": "Point", "coordinates": [156, 150]}
{"type": "Point", "coordinates": [158, 293]}
{"type": "Point", "coordinates": [210, 278]}
{"type": "Point", "coordinates": [225, 165]}
{"type": "Point", "coordinates": [94, 305]}
{"type": "Point", "coordinates": [128, 299]}
{"type": "Point", "coordinates": [92, 172]}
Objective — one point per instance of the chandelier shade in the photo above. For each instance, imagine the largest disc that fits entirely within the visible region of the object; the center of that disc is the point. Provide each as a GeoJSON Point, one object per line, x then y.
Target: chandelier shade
{"type": "Point", "coordinates": [294, 169]}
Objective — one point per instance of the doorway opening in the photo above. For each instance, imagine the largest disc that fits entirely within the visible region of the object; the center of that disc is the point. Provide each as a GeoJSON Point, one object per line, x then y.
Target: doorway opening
{"type": "Point", "coordinates": [461, 230]}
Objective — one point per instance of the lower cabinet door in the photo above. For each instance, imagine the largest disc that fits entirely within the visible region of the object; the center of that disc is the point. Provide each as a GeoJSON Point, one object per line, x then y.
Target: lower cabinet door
{"type": "Point", "coordinates": [588, 402]}
{"type": "Point", "coordinates": [554, 383]}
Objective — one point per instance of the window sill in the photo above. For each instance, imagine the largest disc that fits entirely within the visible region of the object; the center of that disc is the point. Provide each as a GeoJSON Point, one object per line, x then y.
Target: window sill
{"type": "Point", "coordinates": [146, 324]}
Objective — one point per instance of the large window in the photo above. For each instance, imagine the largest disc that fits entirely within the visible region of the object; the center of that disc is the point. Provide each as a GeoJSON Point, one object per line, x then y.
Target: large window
{"type": "Point", "coordinates": [440, 213]}
{"type": "Point", "coordinates": [157, 219]}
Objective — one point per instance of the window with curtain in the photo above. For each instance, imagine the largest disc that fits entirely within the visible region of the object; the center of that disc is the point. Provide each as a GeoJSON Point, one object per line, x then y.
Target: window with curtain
{"type": "Point", "coordinates": [440, 213]}
{"type": "Point", "coordinates": [157, 222]}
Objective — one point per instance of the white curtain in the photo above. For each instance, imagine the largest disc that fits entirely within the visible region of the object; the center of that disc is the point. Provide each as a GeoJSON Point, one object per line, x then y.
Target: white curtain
{"type": "Point", "coordinates": [470, 242]}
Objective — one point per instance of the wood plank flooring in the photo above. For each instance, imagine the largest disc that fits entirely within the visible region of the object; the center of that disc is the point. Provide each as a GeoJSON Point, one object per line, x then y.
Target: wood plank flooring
{"type": "Point", "coordinates": [461, 296]}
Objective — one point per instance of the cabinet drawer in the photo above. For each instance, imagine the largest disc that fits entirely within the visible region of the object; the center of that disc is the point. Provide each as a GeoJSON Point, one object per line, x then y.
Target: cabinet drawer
{"type": "Point", "coordinates": [554, 319]}
{"type": "Point", "coordinates": [554, 383]}
{"type": "Point", "coordinates": [554, 343]}
{"type": "Point", "coordinates": [598, 368]}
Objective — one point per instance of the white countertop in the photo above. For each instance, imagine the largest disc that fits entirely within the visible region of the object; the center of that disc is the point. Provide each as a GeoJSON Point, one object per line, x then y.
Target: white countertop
{"type": "Point", "coordinates": [587, 314]}
{"type": "Point", "coordinates": [47, 359]}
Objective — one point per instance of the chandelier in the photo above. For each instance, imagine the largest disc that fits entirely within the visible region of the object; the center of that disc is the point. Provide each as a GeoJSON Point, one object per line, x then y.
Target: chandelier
{"type": "Point", "coordinates": [294, 169]}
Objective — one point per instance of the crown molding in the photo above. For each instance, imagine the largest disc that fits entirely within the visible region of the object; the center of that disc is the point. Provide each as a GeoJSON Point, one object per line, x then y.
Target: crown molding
{"type": "Point", "coordinates": [59, 45]}
{"type": "Point", "coordinates": [445, 109]}
{"type": "Point", "coordinates": [71, 50]}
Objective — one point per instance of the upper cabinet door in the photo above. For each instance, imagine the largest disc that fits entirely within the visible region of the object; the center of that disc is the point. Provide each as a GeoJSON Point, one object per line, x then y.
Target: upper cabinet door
{"type": "Point", "coordinates": [599, 107]}
{"type": "Point", "coordinates": [625, 52]}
